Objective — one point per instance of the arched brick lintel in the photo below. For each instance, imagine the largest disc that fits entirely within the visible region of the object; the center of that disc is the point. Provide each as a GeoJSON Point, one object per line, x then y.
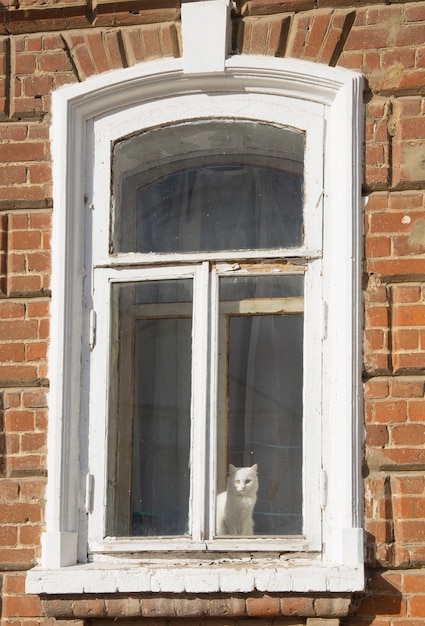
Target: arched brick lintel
{"type": "Point", "coordinates": [317, 35]}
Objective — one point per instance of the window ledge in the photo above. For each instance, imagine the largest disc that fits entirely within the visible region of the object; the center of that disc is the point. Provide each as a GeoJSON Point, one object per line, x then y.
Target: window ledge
{"type": "Point", "coordinates": [197, 576]}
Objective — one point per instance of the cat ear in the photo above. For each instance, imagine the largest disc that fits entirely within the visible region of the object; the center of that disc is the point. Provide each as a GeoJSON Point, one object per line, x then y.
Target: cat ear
{"type": "Point", "coordinates": [254, 468]}
{"type": "Point", "coordinates": [232, 469]}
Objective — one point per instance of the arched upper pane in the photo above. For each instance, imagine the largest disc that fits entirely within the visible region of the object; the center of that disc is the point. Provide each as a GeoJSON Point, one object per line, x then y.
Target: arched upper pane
{"type": "Point", "coordinates": [208, 186]}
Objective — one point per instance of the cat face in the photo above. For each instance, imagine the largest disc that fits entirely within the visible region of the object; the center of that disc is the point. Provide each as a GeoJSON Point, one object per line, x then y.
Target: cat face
{"type": "Point", "coordinates": [244, 480]}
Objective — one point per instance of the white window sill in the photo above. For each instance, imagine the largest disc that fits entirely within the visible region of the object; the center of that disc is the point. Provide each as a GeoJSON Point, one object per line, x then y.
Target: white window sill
{"type": "Point", "coordinates": [196, 576]}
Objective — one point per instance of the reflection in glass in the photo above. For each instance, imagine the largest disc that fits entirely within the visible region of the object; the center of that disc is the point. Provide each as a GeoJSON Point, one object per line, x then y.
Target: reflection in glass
{"type": "Point", "coordinates": [154, 327]}
{"type": "Point", "coordinates": [208, 186]}
{"type": "Point", "coordinates": [263, 407]}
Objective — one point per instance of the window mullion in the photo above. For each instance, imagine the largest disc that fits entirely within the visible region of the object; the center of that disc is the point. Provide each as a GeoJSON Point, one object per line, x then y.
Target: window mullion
{"type": "Point", "coordinates": [213, 399]}
{"type": "Point", "coordinates": [199, 402]}
{"type": "Point", "coordinates": [313, 372]}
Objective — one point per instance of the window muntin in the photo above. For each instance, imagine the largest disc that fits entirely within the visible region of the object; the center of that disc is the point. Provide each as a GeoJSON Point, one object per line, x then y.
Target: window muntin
{"type": "Point", "coordinates": [208, 186]}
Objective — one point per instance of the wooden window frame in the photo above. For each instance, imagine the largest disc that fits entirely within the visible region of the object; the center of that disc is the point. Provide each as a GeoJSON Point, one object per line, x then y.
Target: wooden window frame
{"type": "Point", "coordinates": [79, 112]}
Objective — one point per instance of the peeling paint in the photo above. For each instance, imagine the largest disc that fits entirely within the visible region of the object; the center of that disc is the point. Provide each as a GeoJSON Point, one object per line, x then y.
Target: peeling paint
{"type": "Point", "coordinates": [417, 234]}
{"type": "Point", "coordinates": [413, 159]}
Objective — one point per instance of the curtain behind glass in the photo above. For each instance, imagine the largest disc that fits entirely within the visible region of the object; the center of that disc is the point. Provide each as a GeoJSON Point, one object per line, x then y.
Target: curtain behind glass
{"type": "Point", "coordinates": [215, 208]}
{"type": "Point", "coordinates": [265, 415]}
{"type": "Point", "coordinates": [264, 390]}
{"type": "Point", "coordinates": [207, 186]}
{"type": "Point", "coordinates": [150, 411]}
{"type": "Point", "coordinates": [161, 427]}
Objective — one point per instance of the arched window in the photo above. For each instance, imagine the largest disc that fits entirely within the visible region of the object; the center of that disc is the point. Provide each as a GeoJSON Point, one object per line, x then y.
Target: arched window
{"type": "Point", "coordinates": [205, 316]}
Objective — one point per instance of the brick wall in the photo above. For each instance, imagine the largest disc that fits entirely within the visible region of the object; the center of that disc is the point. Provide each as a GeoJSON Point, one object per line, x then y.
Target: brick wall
{"type": "Point", "coordinates": [46, 44]}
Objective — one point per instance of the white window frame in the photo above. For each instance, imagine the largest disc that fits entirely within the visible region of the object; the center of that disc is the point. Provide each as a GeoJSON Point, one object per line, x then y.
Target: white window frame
{"type": "Point", "coordinates": [119, 103]}
{"type": "Point", "coordinates": [307, 117]}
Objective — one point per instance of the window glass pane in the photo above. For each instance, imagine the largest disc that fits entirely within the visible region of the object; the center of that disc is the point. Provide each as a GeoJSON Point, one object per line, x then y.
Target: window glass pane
{"type": "Point", "coordinates": [150, 426]}
{"type": "Point", "coordinates": [208, 186]}
{"type": "Point", "coordinates": [243, 287]}
{"type": "Point", "coordinates": [261, 408]}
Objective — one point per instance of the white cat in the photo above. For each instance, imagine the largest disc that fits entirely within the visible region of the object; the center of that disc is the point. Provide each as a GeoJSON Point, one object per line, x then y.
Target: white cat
{"type": "Point", "coordinates": [236, 504]}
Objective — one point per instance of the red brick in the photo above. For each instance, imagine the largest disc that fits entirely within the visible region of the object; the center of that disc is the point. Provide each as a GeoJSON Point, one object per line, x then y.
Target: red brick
{"type": "Point", "coordinates": [97, 51]}
{"type": "Point", "coordinates": [30, 463]}
{"type": "Point", "coordinates": [378, 246]}
{"type": "Point", "coordinates": [17, 329]}
{"type": "Point", "coordinates": [22, 606]}
{"type": "Point", "coordinates": [408, 484]}
{"type": "Point", "coordinates": [124, 607]}
{"type": "Point", "coordinates": [19, 421]}
{"type": "Point", "coordinates": [376, 293]}
{"type": "Point", "coordinates": [410, 361]}
{"type": "Point", "coordinates": [416, 410]}
{"type": "Point", "coordinates": [13, 584]}
{"type": "Point", "coordinates": [383, 605]}
{"type": "Point", "coordinates": [112, 46]}
{"type": "Point", "coordinates": [400, 56]}
{"type": "Point", "coordinates": [410, 531]}
{"type": "Point", "coordinates": [317, 30]}
{"type": "Point", "coordinates": [39, 173]}
{"type": "Point", "coordinates": [390, 411]}
{"type": "Point", "coordinates": [375, 339]}
{"type": "Point", "coordinates": [407, 388]}
{"type": "Point", "coordinates": [20, 557]}
{"type": "Point", "coordinates": [33, 490]}
{"type": "Point", "coordinates": [405, 339]}
{"type": "Point", "coordinates": [298, 605]}
{"type": "Point", "coordinates": [8, 536]}
{"type": "Point", "coordinates": [13, 152]}
{"type": "Point", "coordinates": [11, 310]}
{"type": "Point", "coordinates": [12, 352]}
{"type": "Point", "coordinates": [408, 435]}
{"type": "Point", "coordinates": [376, 388]}
{"type": "Point", "coordinates": [406, 293]}
{"type": "Point", "coordinates": [409, 508]}
{"type": "Point", "coordinates": [33, 442]}
{"type": "Point", "coordinates": [18, 285]}
{"type": "Point", "coordinates": [38, 262]}
{"type": "Point", "coordinates": [376, 316]}
{"type": "Point", "coordinates": [414, 582]}
{"type": "Point", "coordinates": [24, 240]}
{"type": "Point", "coordinates": [264, 605]}
{"type": "Point", "coordinates": [380, 530]}
{"type": "Point", "coordinates": [376, 435]}
{"type": "Point", "coordinates": [30, 535]}
{"type": "Point", "coordinates": [19, 513]}
{"type": "Point", "coordinates": [83, 61]}
{"type": "Point", "coordinates": [9, 490]}
{"type": "Point", "coordinates": [12, 174]}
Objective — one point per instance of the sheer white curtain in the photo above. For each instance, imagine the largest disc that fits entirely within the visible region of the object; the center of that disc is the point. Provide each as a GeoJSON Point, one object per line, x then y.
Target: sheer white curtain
{"type": "Point", "coordinates": [161, 427]}
{"type": "Point", "coordinates": [207, 209]}
{"type": "Point", "coordinates": [220, 208]}
{"type": "Point", "coordinates": [272, 419]}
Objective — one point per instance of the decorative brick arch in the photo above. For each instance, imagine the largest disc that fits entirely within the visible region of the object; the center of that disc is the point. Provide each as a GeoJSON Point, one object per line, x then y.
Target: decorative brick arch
{"type": "Point", "coordinates": [317, 35]}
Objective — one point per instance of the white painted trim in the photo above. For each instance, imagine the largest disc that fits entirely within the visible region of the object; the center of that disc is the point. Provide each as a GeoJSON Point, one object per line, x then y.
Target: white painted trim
{"type": "Point", "coordinates": [74, 109]}
{"type": "Point", "coordinates": [306, 116]}
{"type": "Point", "coordinates": [205, 49]}
{"type": "Point", "coordinates": [192, 576]}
